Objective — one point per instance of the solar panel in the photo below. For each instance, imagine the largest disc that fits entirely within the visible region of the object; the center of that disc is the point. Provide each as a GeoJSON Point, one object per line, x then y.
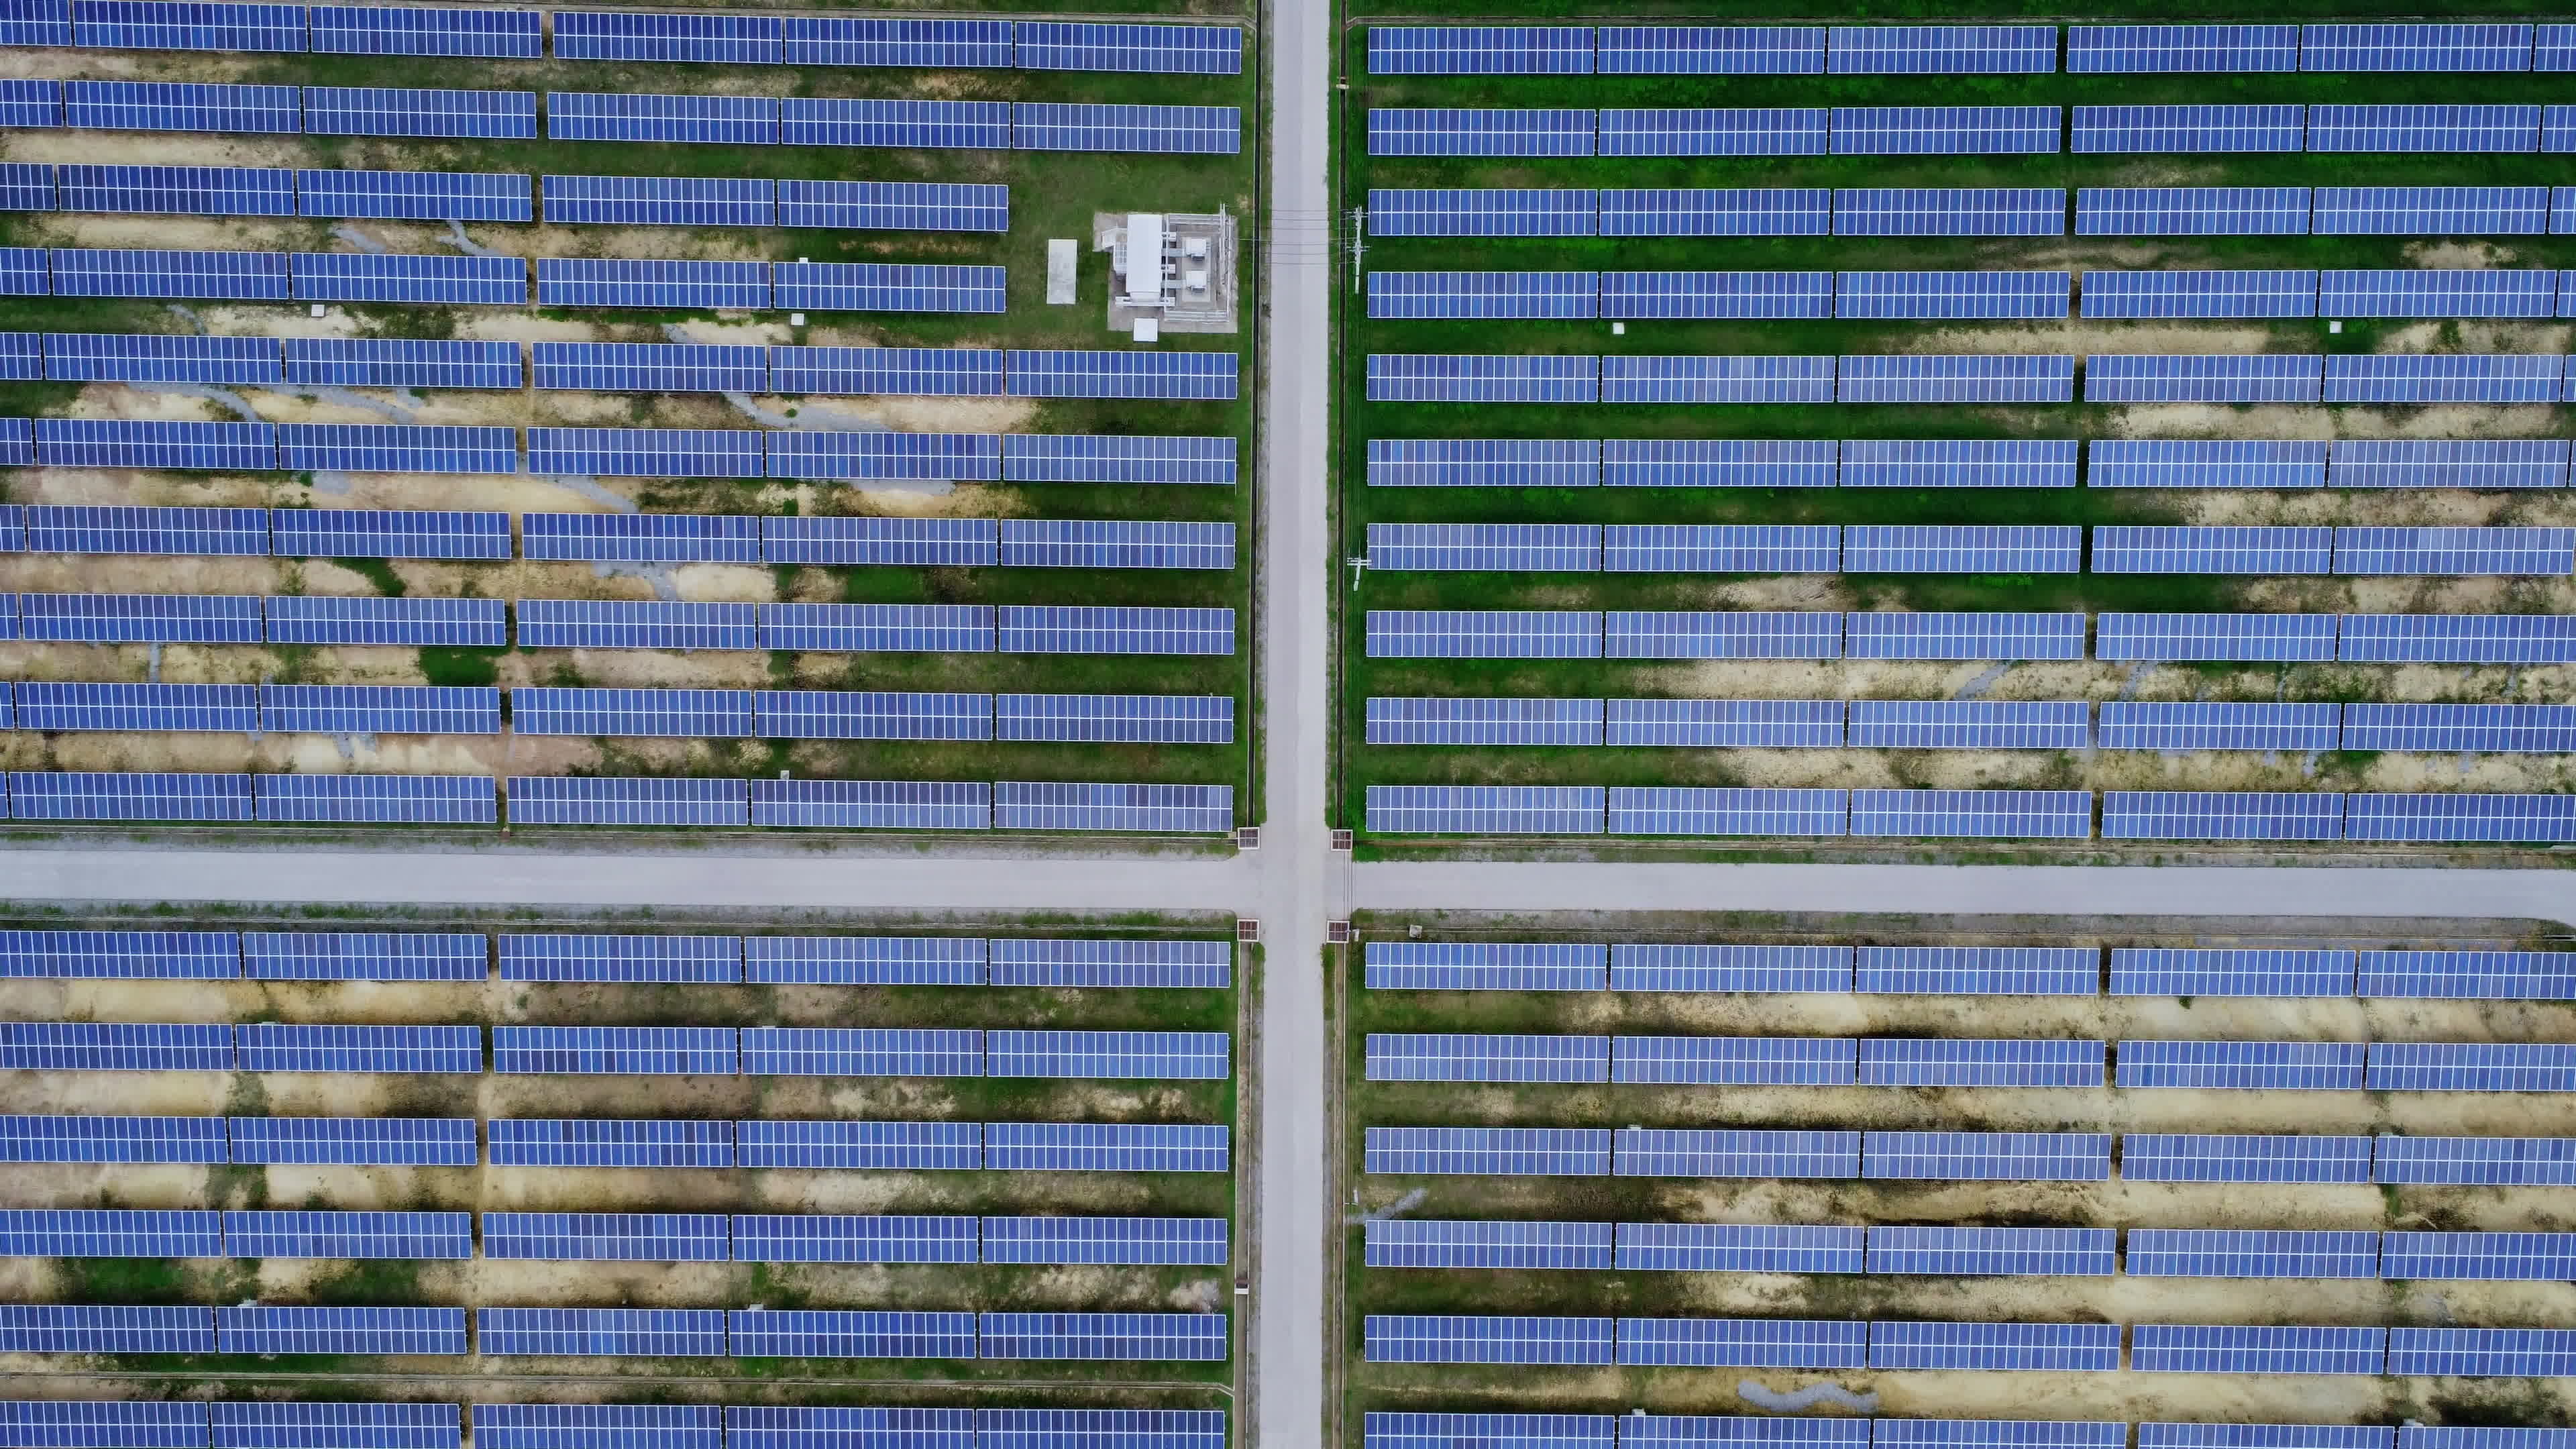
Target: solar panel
{"type": "Point", "coordinates": [2249, 1349]}
{"type": "Point", "coordinates": [1986, 1156]}
{"type": "Point", "coordinates": [894, 205]}
{"type": "Point", "coordinates": [2135, 49]}
{"type": "Point", "coordinates": [1711, 50]}
{"type": "Point", "coordinates": [2203, 1157]}
{"type": "Point", "coordinates": [2278, 378]}
{"type": "Point", "coordinates": [105, 1424]}
{"type": "Point", "coordinates": [2481, 1352]}
{"type": "Point", "coordinates": [1665, 1152]}
{"type": "Point", "coordinates": [900, 1146]}
{"type": "Point", "coordinates": [850, 1238]}
{"type": "Point", "coordinates": [1963, 636]}
{"type": "Point", "coordinates": [1423, 377]}
{"type": "Point", "coordinates": [1433, 1338]}
{"type": "Point", "coordinates": [620, 958]}
{"type": "Point", "coordinates": [2009, 1252]}
{"type": "Point", "coordinates": [188, 25]}
{"type": "Point", "coordinates": [1478, 966]}
{"type": "Point", "coordinates": [619, 116]}
{"type": "Point", "coordinates": [1958, 463]}
{"type": "Point", "coordinates": [2491, 1257]}
{"type": "Point", "coordinates": [117, 357]}
{"type": "Point", "coordinates": [354, 1141]}
{"type": "Point", "coordinates": [1730, 1061]}
{"type": "Point", "coordinates": [1735, 131]}
{"type": "Point", "coordinates": [657, 201]}
{"type": "Point", "coordinates": [1945, 130]}
{"type": "Point", "coordinates": [2487, 551]}
{"type": "Point", "coordinates": [1381, 1430]}
{"type": "Point", "coordinates": [614, 1143]}
{"type": "Point", "coordinates": [118, 272]}
{"type": "Point", "coordinates": [473, 623]}
{"type": "Point", "coordinates": [2431, 211]}
{"type": "Point", "coordinates": [2056, 1347]}
{"type": "Point", "coordinates": [1428, 1057]}
{"type": "Point", "coordinates": [1169, 130]}
{"type": "Point", "coordinates": [2469, 975]}
{"type": "Point", "coordinates": [2456, 46]}
{"type": "Point", "coordinates": [2237, 1253]}
{"type": "Point", "coordinates": [1441, 721]}
{"type": "Point", "coordinates": [1919, 378]}
{"type": "Point", "coordinates": [362, 955]}
{"type": "Point", "coordinates": [273, 1047]}
{"type": "Point", "coordinates": [2517, 292]}
{"type": "Point", "coordinates": [1479, 49]}
{"type": "Point", "coordinates": [1485, 809]}
{"type": "Point", "coordinates": [1521, 212]}
{"type": "Point", "coordinates": [98, 795]}
{"type": "Point", "coordinates": [606, 1237]}
{"type": "Point", "coordinates": [864, 960]}
{"type": "Point", "coordinates": [2271, 638]}
{"type": "Point", "coordinates": [1943, 50]}
{"type": "Point", "coordinates": [1446, 131]}
{"type": "Point", "coordinates": [1954, 211]}
{"type": "Point", "coordinates": [639, 713]}
{"type": "Point", "coordinates": [410, 30]}
{"type": "Point", "coordinates": [1947, 295]}
{"type": "Point", "coordinates": [2449, 638]}
{"type": "Point", "coordinates": [1106, 1337]}
{"type": "Point", "coordinates": [1729, 968]}
{"type": "Point", "coordinates": [1074, 458]}
{"type": "Point", "coordinates": [2231, 971]}
{"type": "Point", "coordinates": [2449, 463]}
{"type": "Point", "coordinates": [887, 287]}
{"type": "Point", "coordinates": [851, 1334]}
{"type": "Point", "coordinates": [1488, 1151]}
{"type": "Point", "coordinates": [1171, 1056]}
{"type": "Point", "coordinates": [2419, 128]}
{"type": "Point", "coordinates": [667, 36]}
{"type": "Point", "coordinates": [2219, 815]}
{"type": "Point", "coordinates": [173, 190]}
{"type": "Point", "coordinates": [415, 195]}
{"type": "Point", "coordinates": [1104, 1147]}
{"type": "Point", "coordinates": [2442, 379]}
{"type": "Point", "coordinates": [1978, 1062]}
{"type": "Point", "coordinates": [781, 1051]}
{"type": "Point", "coordinates": [229, 708]}
{"type": "Point", "coordinates": [2471, 1067]}
{"type": "Point", "coordinates": [617, 1332]}
{"type": "Point", "coordinates": [268, 1425]}
{"type": "Point", "coordinates": [1810, 1343]}
{"type": "Point", "coordinates": [103, 1233]}
{"type": "Point", "coordinates": [115, 1046]}
{"type": "Point", "coordinates": [932, 628]}
{"type": "Point", "coordinates": [2261, 1065]}
{"type": "Point", "coordinates": [2187, 129]}
{"type": "Point", "coordinates": [1687, 379]}
{"type": "Point", "coordinates": [382, 111]}
{"type": "Point", "coordinates": [2199, 294]}
{"type": "Point", "coordinates": [25, 1138]}
{"type": "Point", "coordinates": [613, 624]}
{"type": "Point", "coordinates": [1978, 970]}
{"type": "Point", "coordinates": [368, 362]}
{"type": "Point", "coordinates": [135, 955]}
{"type": "Point", "coordinates": [1403, 1243]}
{"type": "Point", "coordinates": [1438, 295]}
{"type": "Point", "coordinates": [37, 22]}
{"type": "Point", "coordinates": [614, 1050]}
{"type": "Point", "coordinates": [2476, 1161]}
{"type": "Point", "coordinates": [819, 1428]}
{"type": "Point", "coordinates": [671, 285]}
{"type": "Point", "coordinates": [1710, 211]}
{"type": "Point", "coordinates": [1731, 634]}
{"type": "Point", "coordinates": [1892, 548]}
{"type": "Point", "coordinates": [2224, 549]}
{"type": "Point", "coordinates": [391, 448]}
{"type": "Point", "coordinates": [436, 1235]}
{"type": "Point", "coordinates": [89, 1328]}
{"type": "Point", "coordinates": [1725, 723]}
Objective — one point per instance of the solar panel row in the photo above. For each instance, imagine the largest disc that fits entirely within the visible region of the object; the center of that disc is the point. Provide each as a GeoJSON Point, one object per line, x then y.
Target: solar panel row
{"type": "Point", "coordinates": [1967, 724]}
{"type": "Point", "coordinates": [1923, 378]}
{"type": "Point", "coordinates": [1814, 634]}
{"type": "Point", "coordinates": [603, 366]}
{"type": "Point", "coordinates": [935, 1146]}
{"type": "Point", "coordinates": [1967, 814]}
{"type": "Point", "coordinates": [2144, 1156]}
{"type": "Point", "coordinates": [610, 800]}
{"type": "Point", "coordinates": [1933, 211]}
{"type": "Point", "coordinates": [2069, 970]}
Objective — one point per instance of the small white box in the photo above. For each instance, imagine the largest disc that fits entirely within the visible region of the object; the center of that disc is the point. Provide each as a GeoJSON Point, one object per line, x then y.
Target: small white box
{"type": "Point", "coordinates": [318, 309]}
{"type": "Point", "coordinates": [795, 319]}
{"type": "Point", "coordinates": [1149, 329]}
